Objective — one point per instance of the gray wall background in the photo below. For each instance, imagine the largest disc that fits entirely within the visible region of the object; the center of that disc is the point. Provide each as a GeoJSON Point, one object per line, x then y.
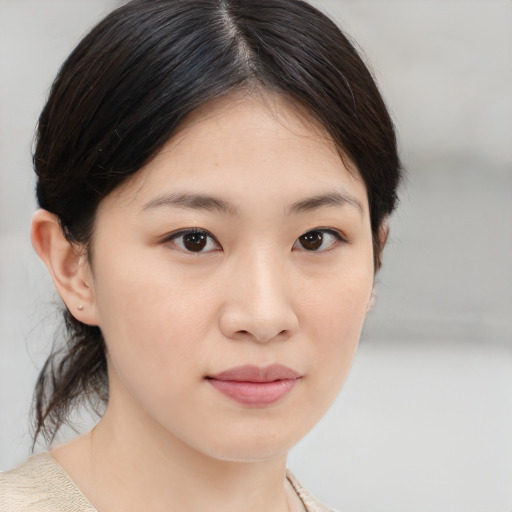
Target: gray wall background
{"type": "Point", "coordinates": [424, 422]}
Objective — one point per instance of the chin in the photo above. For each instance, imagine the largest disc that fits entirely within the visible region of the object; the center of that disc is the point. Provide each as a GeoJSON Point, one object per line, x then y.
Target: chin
{"type": "Point", "coordinates": [250, 451]}
{"type": "Point", "coordinates": [253, 443]}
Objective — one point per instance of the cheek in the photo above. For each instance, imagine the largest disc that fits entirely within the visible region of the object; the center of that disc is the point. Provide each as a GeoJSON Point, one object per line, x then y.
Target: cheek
{"type": "Point", "coordinates": [150, 319]}
{"type": "Point", "coordinates": [337, 303]}
{"type": "Point", "coordinates": [155, 346]}
{"type": "Point", "coordinates": [336, 317]}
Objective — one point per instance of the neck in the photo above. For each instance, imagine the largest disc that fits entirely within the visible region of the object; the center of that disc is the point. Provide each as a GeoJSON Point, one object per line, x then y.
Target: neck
{"type": "Point", "coordinates": [116, 471]}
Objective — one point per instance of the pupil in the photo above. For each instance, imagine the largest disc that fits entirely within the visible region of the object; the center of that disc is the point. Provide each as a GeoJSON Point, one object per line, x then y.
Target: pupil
{"type": "Point", "coordinates": [195, 241]}
{"type": "Point", "coordinates": [312, 240]}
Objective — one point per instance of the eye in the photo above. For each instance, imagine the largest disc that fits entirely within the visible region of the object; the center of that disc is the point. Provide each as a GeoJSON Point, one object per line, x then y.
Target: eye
{"type": "Point", "coordinates": [318, 240]}
{"type": "Point", "coordinates": [194, 240]}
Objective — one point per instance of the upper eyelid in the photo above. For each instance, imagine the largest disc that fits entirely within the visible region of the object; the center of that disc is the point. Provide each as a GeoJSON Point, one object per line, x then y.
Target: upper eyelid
{"type": "Point", "coordinates": [171, 237]}
{"type": "Point", "coordinates": [340, 239]}
{"type": "Point", "coordinates": [335, 232]}
{"type": "Point", "coordinates": [186, 231]}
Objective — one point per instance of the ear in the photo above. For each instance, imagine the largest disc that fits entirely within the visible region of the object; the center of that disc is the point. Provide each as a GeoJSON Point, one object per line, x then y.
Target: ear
{"type": "Point", "coordinates": [383, 234]}
{"type": "Point", "coordinates": [383, 238]}
{"type": "Point", "coordinates": [67, 265]}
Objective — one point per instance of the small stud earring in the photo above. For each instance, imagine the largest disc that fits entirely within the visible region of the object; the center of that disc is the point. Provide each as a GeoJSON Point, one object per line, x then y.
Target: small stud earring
{"type": "Point", "coordinates": [80, 307]}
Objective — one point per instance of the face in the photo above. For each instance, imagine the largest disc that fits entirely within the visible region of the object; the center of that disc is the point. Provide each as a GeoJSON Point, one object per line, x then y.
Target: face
{"type": "Point", "coordinates": [231, 278]}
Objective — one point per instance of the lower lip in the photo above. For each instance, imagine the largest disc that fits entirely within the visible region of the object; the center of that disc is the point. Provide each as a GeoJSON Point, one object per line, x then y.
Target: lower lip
{"type": "Point", "coordinates": [255, 394]}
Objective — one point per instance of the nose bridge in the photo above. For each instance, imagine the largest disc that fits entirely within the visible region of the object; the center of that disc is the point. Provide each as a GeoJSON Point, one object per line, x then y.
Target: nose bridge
{"type": "Point", "coordinates": [266, 279]}
{"type": "Point", "coordinates": [258, 300]}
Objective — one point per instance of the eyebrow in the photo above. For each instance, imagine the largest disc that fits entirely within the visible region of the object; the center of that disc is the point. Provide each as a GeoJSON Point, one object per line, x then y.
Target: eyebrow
{"type": "Point", "coordinates": [192, 201]}
{"type": "Point", "coordinates": [322, 200]}
{"type": "Point", "coordinates": [210, 203]}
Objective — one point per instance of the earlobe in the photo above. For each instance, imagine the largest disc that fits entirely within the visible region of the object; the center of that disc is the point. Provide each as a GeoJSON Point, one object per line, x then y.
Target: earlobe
{"type": "Point", "coordinates": [371, 302]}
{"type": "Point", "coordinates": [67, 265]}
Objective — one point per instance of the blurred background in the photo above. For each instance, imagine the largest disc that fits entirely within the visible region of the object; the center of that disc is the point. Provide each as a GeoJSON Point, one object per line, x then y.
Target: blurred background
{"type": "Point", "coordinates": [424, 422]}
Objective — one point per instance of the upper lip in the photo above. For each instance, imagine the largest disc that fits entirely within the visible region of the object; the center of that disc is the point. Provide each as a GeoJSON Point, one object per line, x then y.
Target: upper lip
{"type": "Point", "coordinates": [251, 373]}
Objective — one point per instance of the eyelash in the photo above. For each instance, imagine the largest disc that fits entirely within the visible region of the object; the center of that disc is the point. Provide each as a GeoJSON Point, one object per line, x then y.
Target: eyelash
{"type": "Point", "coordinates": [173, 237]}
{"type": "Point", "coordinates": [322, 231]}
{"type": "Point", "coordinates": [206, 238]}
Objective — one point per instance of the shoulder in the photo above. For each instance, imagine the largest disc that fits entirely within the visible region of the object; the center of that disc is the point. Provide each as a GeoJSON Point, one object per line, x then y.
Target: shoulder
{"type": "Point", "coordinates": [40, 485]}
{"type": "Point", "coordinates": [311, 504]}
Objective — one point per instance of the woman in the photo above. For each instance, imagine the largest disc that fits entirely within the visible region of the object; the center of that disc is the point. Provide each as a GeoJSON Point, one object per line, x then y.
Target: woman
{"type": "Point", "coordinates": [214, 181]}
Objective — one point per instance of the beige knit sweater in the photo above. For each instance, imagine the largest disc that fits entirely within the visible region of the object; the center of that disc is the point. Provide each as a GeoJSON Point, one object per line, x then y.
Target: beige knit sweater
{"type": "Point", "coordinates": [42, 485]}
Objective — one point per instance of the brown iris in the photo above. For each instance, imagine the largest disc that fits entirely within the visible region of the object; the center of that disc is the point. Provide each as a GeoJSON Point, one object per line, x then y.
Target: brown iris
{"type": "Point", "coordinates": [312, 240]}
{"type": "Point", "coordinates": [195, 242]}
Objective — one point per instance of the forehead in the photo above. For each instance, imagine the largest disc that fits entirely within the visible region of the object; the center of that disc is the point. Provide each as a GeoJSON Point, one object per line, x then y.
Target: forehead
{"type": "Point", "coordinates": [245, 144]}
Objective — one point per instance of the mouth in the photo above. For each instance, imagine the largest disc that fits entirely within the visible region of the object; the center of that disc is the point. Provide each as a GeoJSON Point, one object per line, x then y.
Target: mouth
{"type": "Point", "coordinates": [254, 386]}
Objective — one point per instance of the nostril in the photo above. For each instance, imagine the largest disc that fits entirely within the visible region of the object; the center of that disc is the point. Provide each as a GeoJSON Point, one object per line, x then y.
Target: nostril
{"type": "Point", "coordinates": [285, 333]}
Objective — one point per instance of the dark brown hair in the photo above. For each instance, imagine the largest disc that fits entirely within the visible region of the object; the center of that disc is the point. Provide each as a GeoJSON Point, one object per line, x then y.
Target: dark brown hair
{"type": "Point", "coordinates": [132, 80]}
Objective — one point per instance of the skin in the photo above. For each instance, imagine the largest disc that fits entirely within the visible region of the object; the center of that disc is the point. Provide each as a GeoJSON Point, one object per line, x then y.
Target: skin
{"type": "Point", "coordinates": [255, 295]}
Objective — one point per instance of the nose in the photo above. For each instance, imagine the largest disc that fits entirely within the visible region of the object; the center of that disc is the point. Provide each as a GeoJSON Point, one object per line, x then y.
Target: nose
{"type": "Point", "coordinates": [258, 301]}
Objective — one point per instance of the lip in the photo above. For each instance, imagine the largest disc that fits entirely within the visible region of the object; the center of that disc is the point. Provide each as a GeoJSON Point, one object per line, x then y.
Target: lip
{"type": "Point", "coordinates": [255, 386]}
